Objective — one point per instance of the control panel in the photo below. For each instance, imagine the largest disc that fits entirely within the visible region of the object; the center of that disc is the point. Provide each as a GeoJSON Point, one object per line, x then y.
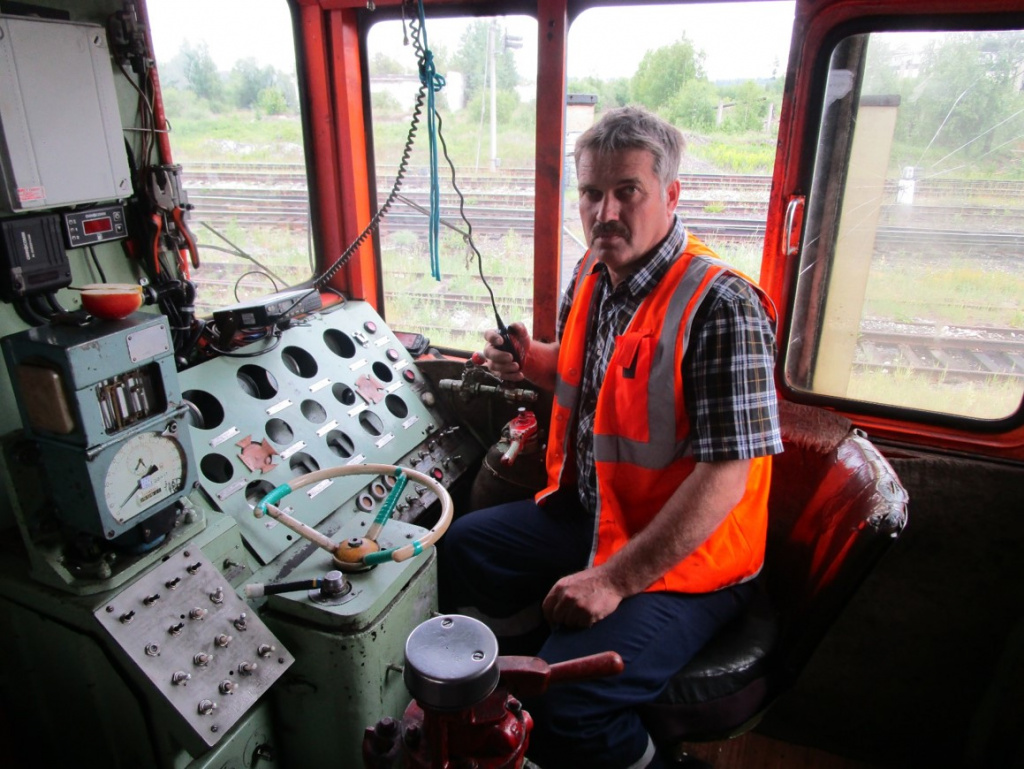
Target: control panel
{"type": "Point", "coordinates": [339, 389]}
{"type": "Point", "coordinates": [205, 651]}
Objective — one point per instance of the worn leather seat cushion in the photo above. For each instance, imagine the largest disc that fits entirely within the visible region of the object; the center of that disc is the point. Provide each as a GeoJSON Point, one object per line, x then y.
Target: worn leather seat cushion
{"type": "Point", "coordinates": [734, 658]}
{"type": "Point", "coordinates": [723, 684]}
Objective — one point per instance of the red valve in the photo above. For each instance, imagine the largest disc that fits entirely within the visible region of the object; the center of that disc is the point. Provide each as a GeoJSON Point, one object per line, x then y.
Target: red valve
{"type": "Point", "coordinates": [462, 718]}
{"type": "Point", "coordinates": [520, 431]}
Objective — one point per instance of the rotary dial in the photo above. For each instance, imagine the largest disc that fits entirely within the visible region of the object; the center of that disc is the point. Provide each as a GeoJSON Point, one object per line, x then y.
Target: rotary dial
{"type": "Point", "coordinates": [146, 470]}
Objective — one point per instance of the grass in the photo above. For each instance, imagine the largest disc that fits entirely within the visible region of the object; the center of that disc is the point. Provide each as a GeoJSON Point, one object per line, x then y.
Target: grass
{"type": "Point", "coordinates": [955, 291]}
{"type": "Point", "coordinates": [455, 310]}
{"type": "Point", "coordinates": [995, 398]}
{"type": "Point", "coordinates": [742, 154]}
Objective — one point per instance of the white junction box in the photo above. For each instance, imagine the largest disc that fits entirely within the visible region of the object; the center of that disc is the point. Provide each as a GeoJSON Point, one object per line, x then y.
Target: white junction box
{"type": "Point", "coordinates": [61, 140]}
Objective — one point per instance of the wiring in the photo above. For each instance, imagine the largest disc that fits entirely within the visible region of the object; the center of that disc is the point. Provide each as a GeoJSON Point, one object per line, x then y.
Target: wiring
{"type": "Point", "coordinates": [238, 281]}
{"type": "Point", "coordinates": [237, 251]}
{"type": "Point", "coordinates": [28, 312]}
{"type": "Point", "coordinates": [469, 226]}
{"type": "Point", "coordinates": [273, 334]}
{"type": "Point", "coordinates": [430, 83]}
{"type": "Point", "coordinates": [97, 265]}
{"type": "Point", "coordinates": [434, 83]}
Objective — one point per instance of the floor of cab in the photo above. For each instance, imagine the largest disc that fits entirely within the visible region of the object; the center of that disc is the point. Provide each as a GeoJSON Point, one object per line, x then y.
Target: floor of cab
{"type": "Point", "coordinates": [756, 751]}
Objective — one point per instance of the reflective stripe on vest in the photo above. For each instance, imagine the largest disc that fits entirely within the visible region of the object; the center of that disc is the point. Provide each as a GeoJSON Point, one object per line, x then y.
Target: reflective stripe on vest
{"type": "Point", "coordinates": [661, 409]}
{"type": "Point", "coordinates": [641, 458]}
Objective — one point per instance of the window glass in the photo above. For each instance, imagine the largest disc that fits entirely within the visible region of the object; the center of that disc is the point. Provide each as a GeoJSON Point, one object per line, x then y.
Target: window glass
{"type": "Point", "coordinates": [227, 70]}
{"type": "Point", "coordinates": [483, 237]}
{"type": "Point", "coordinates": [911, 277]}
{"type": "Point", "coordinates": [723, 91]}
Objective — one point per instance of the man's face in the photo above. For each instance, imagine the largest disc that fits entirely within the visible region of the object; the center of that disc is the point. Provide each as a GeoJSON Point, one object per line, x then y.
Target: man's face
{"type": "Point", "coordinates": [624, 210]}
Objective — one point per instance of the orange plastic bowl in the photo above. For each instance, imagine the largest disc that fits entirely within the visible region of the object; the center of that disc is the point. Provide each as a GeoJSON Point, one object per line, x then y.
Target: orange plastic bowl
{"type": "Point", "coordinates": [111, 301]}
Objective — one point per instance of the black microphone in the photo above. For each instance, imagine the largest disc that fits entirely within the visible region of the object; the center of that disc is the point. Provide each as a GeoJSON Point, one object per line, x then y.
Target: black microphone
{"type": "Point", "coordinates": [507, 345]}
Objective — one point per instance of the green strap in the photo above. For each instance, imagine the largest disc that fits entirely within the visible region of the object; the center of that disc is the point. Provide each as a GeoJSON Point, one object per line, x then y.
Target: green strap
{"type": "Point", "coordinates": [274, 497]}
{"type": "Point", "coordinates": [401, 479]}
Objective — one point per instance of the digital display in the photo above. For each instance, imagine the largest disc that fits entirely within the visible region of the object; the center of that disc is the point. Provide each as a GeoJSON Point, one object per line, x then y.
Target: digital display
{"type": "Point", "coordinates": [99, 224]}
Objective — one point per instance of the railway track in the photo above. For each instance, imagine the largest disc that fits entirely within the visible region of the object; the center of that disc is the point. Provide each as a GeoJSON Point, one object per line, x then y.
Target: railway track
{"type": "Point", "coordinates": [950, 353]}
{"type": "Point", "coordinates": [260, 174]}
{"type": "Point", "coordinates": [957, 354]}
{"type": "Point", "coordinates": [498, 208]}
{"type": "Point", "coordinates": [275, 195]}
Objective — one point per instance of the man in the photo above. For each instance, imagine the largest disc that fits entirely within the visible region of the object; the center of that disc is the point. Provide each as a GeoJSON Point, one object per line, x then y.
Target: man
{"type": "Point", "coordinates": [664, 419]}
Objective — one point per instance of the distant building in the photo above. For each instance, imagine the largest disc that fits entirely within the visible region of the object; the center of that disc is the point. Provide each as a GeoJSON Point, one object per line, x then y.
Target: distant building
{"type": "Point", "coordinates": [404, 88]}
{"type": "Point", "coordinates": [579, 112]}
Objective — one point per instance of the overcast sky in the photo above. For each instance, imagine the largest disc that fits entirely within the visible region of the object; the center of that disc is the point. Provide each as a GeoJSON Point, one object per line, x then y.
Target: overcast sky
{"type": "Point", "coordinates": [740, 40]}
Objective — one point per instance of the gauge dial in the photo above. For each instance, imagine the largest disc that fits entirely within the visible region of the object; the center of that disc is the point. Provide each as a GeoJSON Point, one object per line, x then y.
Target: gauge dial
{"type": "Point", "coordinates": [146, 470]}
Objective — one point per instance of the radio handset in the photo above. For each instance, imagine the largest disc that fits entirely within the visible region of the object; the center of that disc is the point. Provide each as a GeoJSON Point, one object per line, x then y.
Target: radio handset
{"type": "Point", "coordinates": [507, 345]}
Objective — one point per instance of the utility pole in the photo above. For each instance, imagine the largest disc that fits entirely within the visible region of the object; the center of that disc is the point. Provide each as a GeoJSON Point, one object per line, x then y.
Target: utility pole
{"type": "Point", "coordinates": [492, 52]}
{"type": "Point", "coordinates": [507, 42]}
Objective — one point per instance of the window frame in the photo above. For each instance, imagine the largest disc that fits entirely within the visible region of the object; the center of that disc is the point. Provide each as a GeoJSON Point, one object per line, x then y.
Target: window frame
{"type": "Point", "coordinates": [818, 30]}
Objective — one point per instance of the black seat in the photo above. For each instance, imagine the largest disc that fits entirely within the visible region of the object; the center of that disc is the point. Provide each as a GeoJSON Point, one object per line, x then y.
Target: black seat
{"type": "Point", "coordinates": [835, 507]}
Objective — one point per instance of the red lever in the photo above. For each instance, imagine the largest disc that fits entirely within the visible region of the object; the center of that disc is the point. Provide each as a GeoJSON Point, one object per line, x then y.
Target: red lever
{"type": "Point", "coordinates": [530, 676]}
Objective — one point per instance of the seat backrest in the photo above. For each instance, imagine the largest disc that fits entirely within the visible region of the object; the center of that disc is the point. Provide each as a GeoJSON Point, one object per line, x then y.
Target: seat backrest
{"type": "Point", "coordinates": [836, 506]}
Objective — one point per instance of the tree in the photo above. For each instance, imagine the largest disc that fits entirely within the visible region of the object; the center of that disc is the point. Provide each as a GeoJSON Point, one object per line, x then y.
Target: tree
{"type": "Point", "coordinates": [694, 106]}
{"type": "Point", "coordinates": [472, 59]}
{"type": "Point", "coordinates": [382, 64]}
{"type": "Point", "coordinates": [271, 101]}
{"type": "Point", "coordinates": [748, 107]}
{"type": "Point", "coordinates": [201, 73]}
{"type": "Point", "coordinates": [664, 71]}
{"type": "Point", "coordinates": [248, 79]}
{"type": "Point", "coordinates": [966, 87]}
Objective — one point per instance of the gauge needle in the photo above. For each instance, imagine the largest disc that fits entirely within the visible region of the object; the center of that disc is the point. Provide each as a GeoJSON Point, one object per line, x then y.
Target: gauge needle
{"type": "Point", "coordinates": [142, 483]}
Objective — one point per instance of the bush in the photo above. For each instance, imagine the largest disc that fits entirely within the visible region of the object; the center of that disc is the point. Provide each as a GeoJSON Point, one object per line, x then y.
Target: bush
{"type": "Point", "coordinates": [271, 101]}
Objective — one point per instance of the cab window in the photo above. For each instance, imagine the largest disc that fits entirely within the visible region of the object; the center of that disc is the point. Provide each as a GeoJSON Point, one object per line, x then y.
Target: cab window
{"type": "Point", "coordinates": [231, 97]}
{"type": "Point", "coordinates": [911, 275]}
{"type": "Point", "coordinates": [723, 92]}
{"type": "Point", "coordinates": [439, 272]}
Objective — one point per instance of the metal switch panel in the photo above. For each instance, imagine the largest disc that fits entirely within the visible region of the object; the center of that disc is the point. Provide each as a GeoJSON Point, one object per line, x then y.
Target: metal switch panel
{"type": "Point", "coordinates": [201, 646]}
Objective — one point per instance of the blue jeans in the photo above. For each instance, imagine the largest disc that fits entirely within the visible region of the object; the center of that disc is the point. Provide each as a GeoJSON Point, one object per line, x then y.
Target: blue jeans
{"type": "Point", "coordinates": [498, 565]}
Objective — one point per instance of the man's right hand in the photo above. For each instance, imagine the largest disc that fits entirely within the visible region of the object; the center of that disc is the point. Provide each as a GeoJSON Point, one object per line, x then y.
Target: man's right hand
{"type": "Point", "coordinates": [500, 362]}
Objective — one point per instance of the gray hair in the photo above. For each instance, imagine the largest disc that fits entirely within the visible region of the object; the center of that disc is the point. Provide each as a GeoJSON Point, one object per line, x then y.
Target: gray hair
{"type": "Point", "coordinates": [634, 128]}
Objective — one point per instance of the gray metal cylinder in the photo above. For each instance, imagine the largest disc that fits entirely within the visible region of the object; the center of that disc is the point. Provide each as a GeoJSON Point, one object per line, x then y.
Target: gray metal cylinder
{"type": "Point", "coordinates": [451, 662]}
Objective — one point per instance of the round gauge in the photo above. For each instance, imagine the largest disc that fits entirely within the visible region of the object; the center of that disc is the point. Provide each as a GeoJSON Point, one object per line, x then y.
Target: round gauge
{"type": "Point", "coordinates": [146, 470]}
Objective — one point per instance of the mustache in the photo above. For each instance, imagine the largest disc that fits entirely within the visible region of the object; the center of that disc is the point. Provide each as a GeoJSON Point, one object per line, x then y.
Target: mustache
{"type": "Point", "coordinates": [604, 229]}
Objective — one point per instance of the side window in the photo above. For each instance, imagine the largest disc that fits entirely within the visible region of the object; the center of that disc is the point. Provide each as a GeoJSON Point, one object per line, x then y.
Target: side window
{"type": "Point", "coordinates": [723, 91]}
{"type": "Point", "coordinates": [231, 98]}
{"type": "Point", "coordinates": [485, 143]}
{"type": "Point", "coordinates": [911, 270]}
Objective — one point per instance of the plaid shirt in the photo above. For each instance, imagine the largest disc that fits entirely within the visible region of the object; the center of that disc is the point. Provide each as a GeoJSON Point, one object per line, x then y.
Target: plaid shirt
{"type": "Point", "coordinates": [728, 371]}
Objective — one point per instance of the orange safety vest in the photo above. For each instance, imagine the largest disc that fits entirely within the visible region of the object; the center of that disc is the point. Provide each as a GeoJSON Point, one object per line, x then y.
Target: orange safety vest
{"type": "Point", "coordinates": [641, 429]}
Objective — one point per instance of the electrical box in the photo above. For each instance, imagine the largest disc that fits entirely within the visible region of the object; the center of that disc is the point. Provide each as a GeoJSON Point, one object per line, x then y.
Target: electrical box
{"type": "Point", "coordinates": [61, 140]}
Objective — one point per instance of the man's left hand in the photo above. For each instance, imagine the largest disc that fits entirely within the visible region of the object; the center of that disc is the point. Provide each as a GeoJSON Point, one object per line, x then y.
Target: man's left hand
{"type": "Point", "coordinates": [579, 600]}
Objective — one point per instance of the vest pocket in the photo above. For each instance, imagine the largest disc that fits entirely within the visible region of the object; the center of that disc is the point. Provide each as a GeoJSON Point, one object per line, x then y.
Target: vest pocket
{"type": "Point", "coordinates": [631, 350]}
{"type": "Point", "coordinates": [624, 393]}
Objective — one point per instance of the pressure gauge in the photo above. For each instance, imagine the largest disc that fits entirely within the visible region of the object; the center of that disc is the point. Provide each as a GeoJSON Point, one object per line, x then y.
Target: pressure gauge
{"type": "Point", "coordinates": [145, 471]}
{"type": "Point", "coordinates": [103, 404]}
